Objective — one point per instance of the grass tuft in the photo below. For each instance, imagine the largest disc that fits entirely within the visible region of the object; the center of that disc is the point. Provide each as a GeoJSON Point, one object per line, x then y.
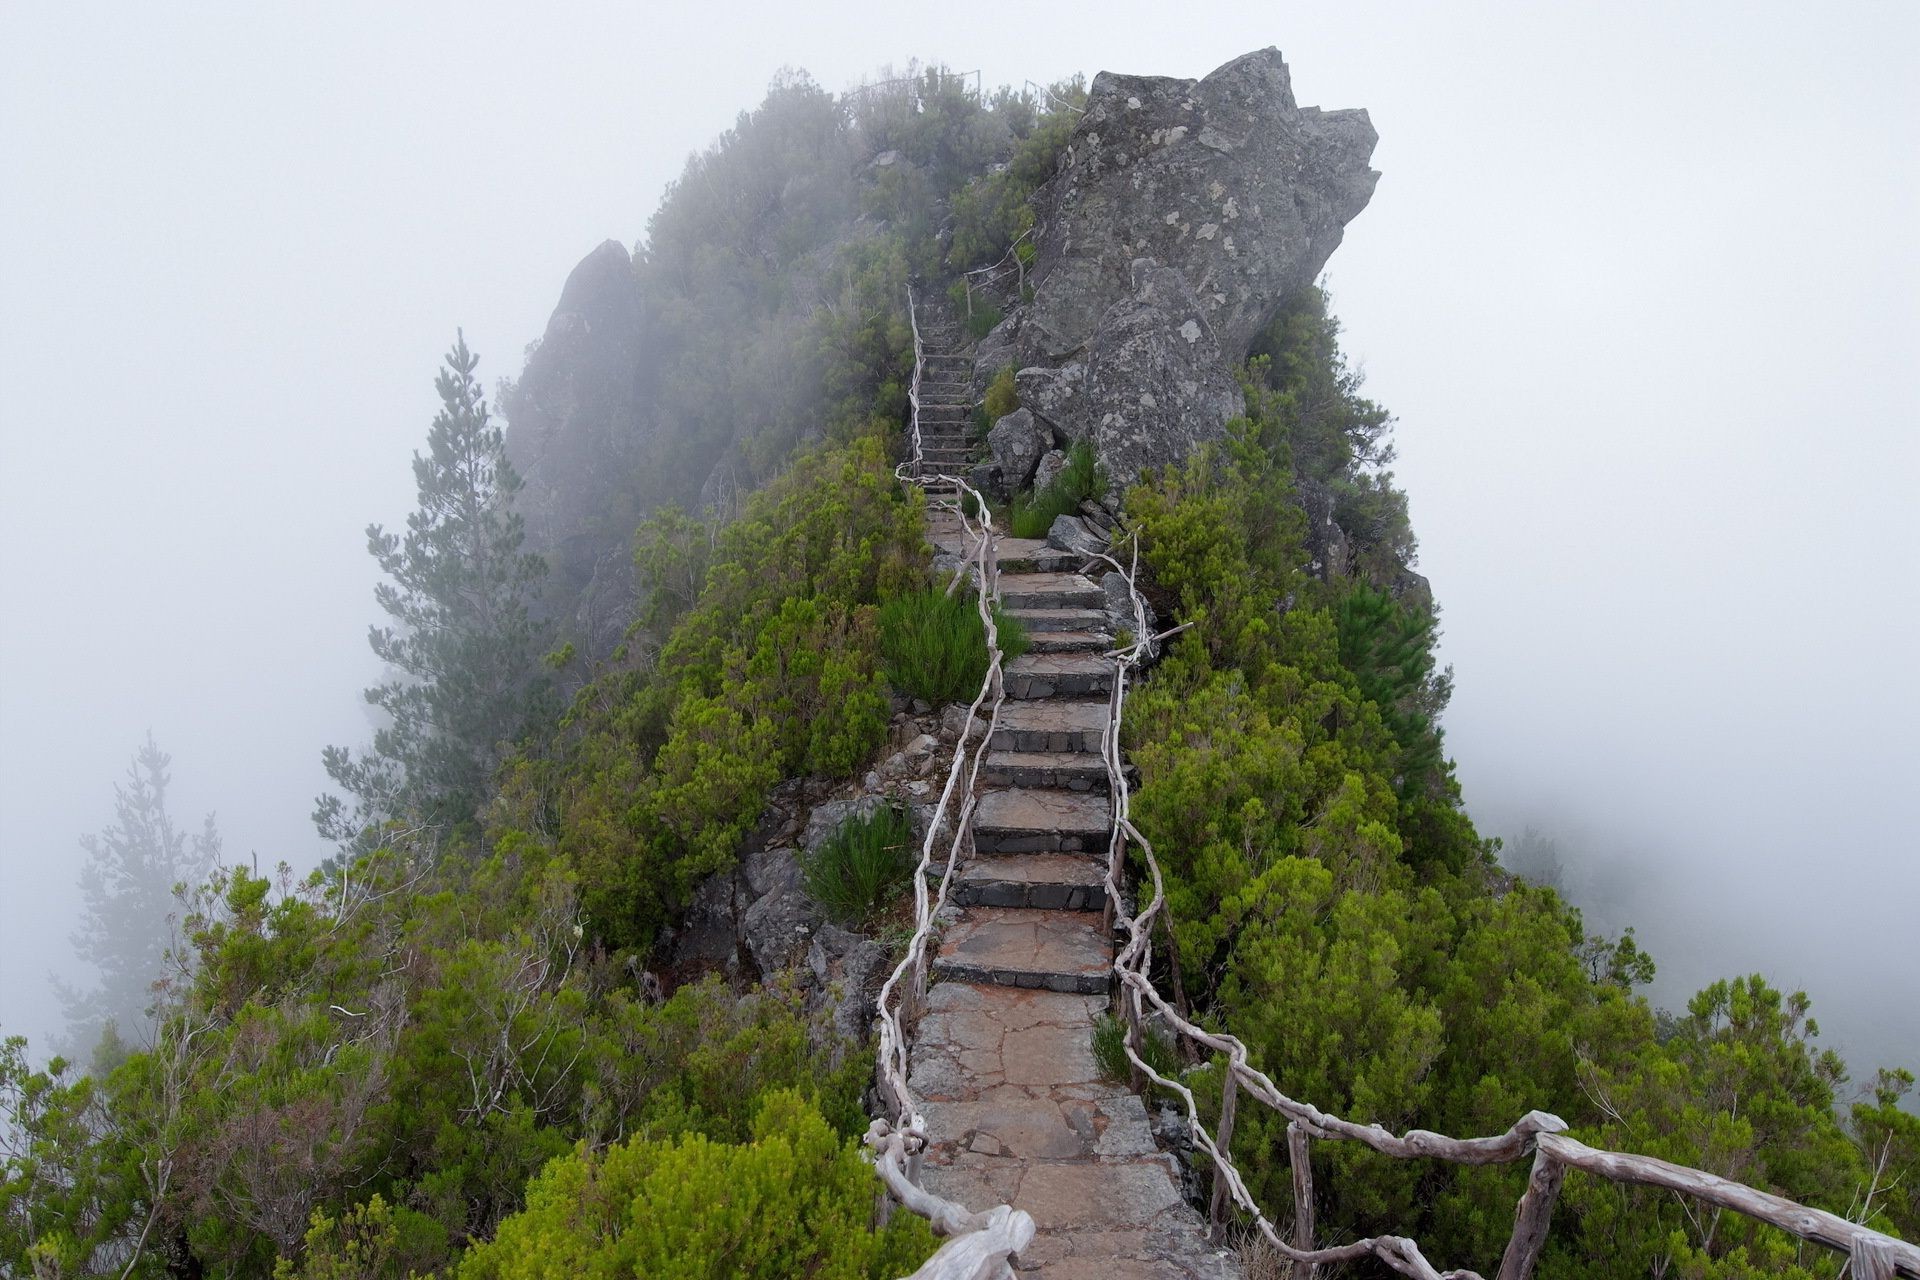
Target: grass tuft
{"type": "Point", "coordinates": [1033, 514]}
{"type": "Point", "coordinates": [1110, 1050]}
{"type": "Point", "coordinates": [862, 865]}
{"type": "Point", "coordinates": [935, 647]}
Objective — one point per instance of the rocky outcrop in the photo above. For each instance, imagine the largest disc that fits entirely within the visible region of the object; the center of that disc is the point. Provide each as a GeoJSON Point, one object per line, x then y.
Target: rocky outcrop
{"type": "Point", "coordinates": [1183, 214]}
{"type": "Point", "coordinates": [1225, 180]}
{"type": "Point", "coordinates": [573, 437]}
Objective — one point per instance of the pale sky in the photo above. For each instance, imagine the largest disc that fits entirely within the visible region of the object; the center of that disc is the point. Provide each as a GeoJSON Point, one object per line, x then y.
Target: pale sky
{"type": "Point", "coordinates": [1639, 280]}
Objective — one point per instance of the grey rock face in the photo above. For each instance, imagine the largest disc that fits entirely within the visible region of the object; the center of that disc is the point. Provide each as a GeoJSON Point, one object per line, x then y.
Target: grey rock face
{"type": "Point", "coordinates": [1121, 616]}
{"type": "Point", "coordinates": [1017, 442]}
{"type": "Point", "coordinates": [855, 965]}
{"type": "Point", "coordinates": [777, 927]}
{"type": "Point", "coordinates": [1226, 180]}
{"type": "Point", "coordinates": [1048, 470]}
{"type": "Point", "coordinates": [1327, 544]}
{"type": "Point", "coordinates": [1053, 393]}
{"type": "Point", "coordinates": [1070, 533]}
{"type": "Point", "coordinates": [1183, 214]}
{"type": "Point", "coordinates": [574, 414]}
{"type": "Point", "coordinates": [827, 817]}
{"type": "Point", "coordinates": [1157, 384]}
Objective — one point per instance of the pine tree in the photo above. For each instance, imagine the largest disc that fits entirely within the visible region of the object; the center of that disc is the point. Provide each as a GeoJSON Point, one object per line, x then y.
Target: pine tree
{"type": "Point", "coordinates": [461, 640]}
{"type": "Point", "coordinates": [127, 895]}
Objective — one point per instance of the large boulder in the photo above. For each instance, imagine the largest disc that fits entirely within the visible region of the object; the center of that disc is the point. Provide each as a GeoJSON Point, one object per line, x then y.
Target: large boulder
{"type": "Point", "coordinates": [1017, 442]}
{"type": "Point", "coordinates": [1225, 180]}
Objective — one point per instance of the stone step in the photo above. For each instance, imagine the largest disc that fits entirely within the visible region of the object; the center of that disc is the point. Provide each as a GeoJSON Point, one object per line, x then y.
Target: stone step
{"type": "Point", "coordinates": [1033, 555]}
{"type": "Point", "coordinates": [1047, 675]}
{"type": "Point", "coordinates": [1042, 881]}
{"type": "Point", "coordinates": [1037, 820]}
{"type": "Point", "coordinates": [1053, 724]}
{"type": "Point", "coordinates": [1026, 947]}
{"type": "Point", "coordinates": [1059, 770]}
{"type": "Point", "coordinates": [1089, 621]}
{"type": "Point", "coordinates": [1050, 591]}
{"type": "Point", "coordinates": [1068, 642]}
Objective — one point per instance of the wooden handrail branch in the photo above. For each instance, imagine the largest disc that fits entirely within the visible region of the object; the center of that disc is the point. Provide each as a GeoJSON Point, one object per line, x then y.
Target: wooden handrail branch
{"type": "Point", "coordinates": [1873, 1255]}
{"type": "Point", "coordinates": [1011, 259]}
{"type": "Point", "coordinates": [978, 1244]}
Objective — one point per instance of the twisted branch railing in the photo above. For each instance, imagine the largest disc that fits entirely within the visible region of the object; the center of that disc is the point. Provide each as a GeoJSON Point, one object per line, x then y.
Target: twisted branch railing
{"type": "Point", "coordinates": [1872, 1255]}
{"type": "Point", "coordinates": [978, 1244]}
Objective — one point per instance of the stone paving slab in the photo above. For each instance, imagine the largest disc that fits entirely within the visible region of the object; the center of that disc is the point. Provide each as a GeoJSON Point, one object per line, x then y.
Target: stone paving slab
{"type": "Point", "coordinates": [1043, 675]}
{"type": "Point", "coordinates": [1065, 951]}
{"type": "Point", "coordinates": [1062, 770]}
{"type": "Point", "coordinates": [1048, 881]}
{"type": "Point", "coordinates": [1054, 724]}
{"type": "Point", "coordinates": [1038, 820]}
{"type": "Point", "coordinates": [1068, 642]}
{"type": "Point", "coordinates": [1050, 591]}
{"type": "Point", "coordinates": [1089, 620]}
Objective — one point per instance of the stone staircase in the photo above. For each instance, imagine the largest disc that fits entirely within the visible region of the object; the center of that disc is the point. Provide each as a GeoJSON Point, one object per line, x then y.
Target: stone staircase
{"type": "Point", "coordinates": [1003, 1058]}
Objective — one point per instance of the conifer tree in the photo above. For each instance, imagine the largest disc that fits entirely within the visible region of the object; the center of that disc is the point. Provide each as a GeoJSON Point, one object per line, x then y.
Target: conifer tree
{"type": "Point", "coordinates": [461, 642]}
{"type": "Point", "coordinates": [126, 891]}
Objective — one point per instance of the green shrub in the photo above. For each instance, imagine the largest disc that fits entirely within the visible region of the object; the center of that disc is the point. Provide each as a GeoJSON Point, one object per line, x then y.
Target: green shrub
{"type": "Point", "coordinates": [1034, 514]}
{"type": "Point", "coordinates": [1002, 396]}
{"type": "Point", "coordinates": [861, 865]}
{"type": "Point", "coordinates": [935, 648]}
{"type": "Point", "coordinates": [984, 318]}
{"type": "Point", "coordinates": [795, 1200]}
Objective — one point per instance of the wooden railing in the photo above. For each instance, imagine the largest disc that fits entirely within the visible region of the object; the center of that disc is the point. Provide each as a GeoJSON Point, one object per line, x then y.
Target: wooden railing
{"type": "Point", "coordinates": [1873, 1255]}
{"type": "Point", "coordinates": [978, 1244]}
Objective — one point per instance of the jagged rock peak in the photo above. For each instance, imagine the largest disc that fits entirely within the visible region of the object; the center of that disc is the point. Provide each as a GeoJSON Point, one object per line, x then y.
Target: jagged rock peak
{"type": "Point", "coordinates": [573, 432]}
{"type": "Point", "coordinates": [601, 286]}
{"type": "Point", "coordinates": [1226, 180]}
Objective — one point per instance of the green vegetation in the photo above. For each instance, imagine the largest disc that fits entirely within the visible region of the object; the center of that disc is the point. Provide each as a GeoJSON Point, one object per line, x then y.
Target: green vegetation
{"type": "Point", "coordinates": [863, 865]}
{"type": "Point", "coordinates": [773, 670]}
{"type": "Point", "coordinates": [462, 639]}
{"type": "Point", "coordinates": [993, 210]}
{"type": "Point", "coordinates": [1333, 906]}
{"type": "Point", "coordinates": [346, 1037]}
{"type": "Point", "coordinates": [1082, 478]}
{"type": "Point", "coordinates": [794, 1199]}
{"type": "Point", "coordinates": [983, 318]}
{"type": "Point", "coordinates": [935, 645]}
{"type": "Point", "coordinates": [1110, 1050]}
{"type": "Point", "coordinates": [126, 895]}
{"type": "Point", "coordinates": [1002, 397]}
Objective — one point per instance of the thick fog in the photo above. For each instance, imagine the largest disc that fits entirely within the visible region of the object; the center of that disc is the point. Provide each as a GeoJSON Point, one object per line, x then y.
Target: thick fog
{"type": "Point", "coordinates": [1640, 282]}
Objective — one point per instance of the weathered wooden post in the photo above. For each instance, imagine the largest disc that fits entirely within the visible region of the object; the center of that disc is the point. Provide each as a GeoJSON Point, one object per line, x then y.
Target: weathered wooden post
{"type": "Point", "coordinates": [1531, 1217]}
{"type": "Point", "coordinates": [1302, 1197]}
{"type": "Point", "coordinates": [1223, 1139]}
